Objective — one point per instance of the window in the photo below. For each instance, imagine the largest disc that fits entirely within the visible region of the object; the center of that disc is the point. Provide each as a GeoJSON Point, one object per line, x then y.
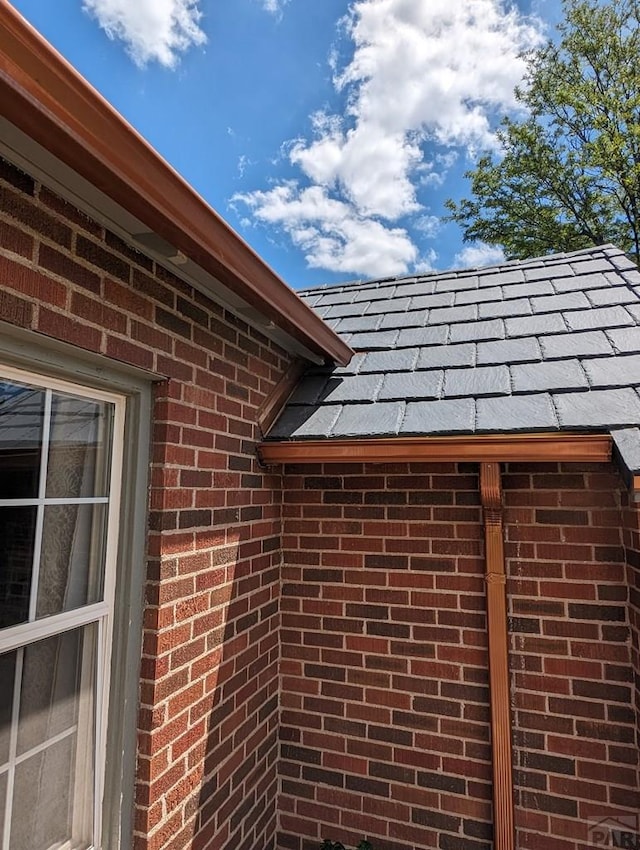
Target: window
{"type": "Point", "coordinates": [60, 469]}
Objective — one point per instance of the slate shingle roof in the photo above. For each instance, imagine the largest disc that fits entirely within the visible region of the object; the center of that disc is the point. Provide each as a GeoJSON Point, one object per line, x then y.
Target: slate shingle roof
{"type": "Point", "coordinates": [539, 345]}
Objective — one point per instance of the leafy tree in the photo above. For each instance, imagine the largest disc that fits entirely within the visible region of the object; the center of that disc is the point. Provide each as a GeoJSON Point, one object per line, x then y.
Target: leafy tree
{"type": "Point", "coordinates": [568, 175]}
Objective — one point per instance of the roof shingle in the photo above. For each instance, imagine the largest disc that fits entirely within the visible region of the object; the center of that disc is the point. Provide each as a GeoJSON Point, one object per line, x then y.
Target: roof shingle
{"type": "Point", "coordinates": [544, 344]}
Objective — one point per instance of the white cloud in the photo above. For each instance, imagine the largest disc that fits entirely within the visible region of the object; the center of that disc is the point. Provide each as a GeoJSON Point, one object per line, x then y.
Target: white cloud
{"type": "Point", "coordinates": [244, 162]}
{"type": "Point", "coordinates": [426, 263]}
{"type": "Point", "coordinates": [330, 233]}
{"type": "Point", "coordinates": [421, 72]}
{"type": "Point", "coordinates": [430, 225]}
{"type": "Point", "coordinates": [274, 7]}
{"type": "Point", "coordinates": [153, 30]}
{"type": "Point", "coordinates": [371, 167]}
{"type": "Point", "coordinates": [438, 71]}
{"type": "Point", "coordinates": [479, 254]}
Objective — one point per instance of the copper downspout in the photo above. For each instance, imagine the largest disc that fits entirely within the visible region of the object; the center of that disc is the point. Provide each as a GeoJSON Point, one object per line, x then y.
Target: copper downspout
{"type": "Point", "coordinates": [491, 495]}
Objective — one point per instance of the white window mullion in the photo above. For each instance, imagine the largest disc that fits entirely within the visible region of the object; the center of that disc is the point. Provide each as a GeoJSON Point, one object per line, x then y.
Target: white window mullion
{"type": "Point", "coordinates": [27, 633]}
{"type": "Point", "coordinates": [85, 500]}
{"type": "Point", "coordinates": [45, 744]}
{"type": "Point", "coordinates": [105, 632]}
{"type": "Point", "coordinates": [115, 486]}
{"type": "Point", "coordinates": [87, 765]}
{"type": "Point", "coordinates": [42, 489]}
{"type": "Point", "coordinates": [13, 748]}
{"type": "Point", "coordinates": [100, 730]}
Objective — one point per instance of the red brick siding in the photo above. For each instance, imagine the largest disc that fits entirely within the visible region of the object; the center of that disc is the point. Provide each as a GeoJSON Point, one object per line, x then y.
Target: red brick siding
{"type": "Point", "coordinates": [385, 705]}
{"type": "Point", "coordinates": [632, 549]}
{"type": "Point", "coordinates": [208, 716]}
{"type": "Point", "coordinates": [385, 726]}
{"type": "Point", "coordinates": [575, 753]}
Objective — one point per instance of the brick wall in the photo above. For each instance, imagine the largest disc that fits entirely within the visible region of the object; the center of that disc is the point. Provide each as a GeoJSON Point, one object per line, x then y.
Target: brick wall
{"type": "Point", "coordinates": [385, 725]}
{"type": "Point", "coordinates": [575, 728]}
{"type": "Point", "coordinates": [385, 714]}
{"type": "Point", "coordinates": [631, 516]}
{"type": "Point", "coordinates": [207, 743]}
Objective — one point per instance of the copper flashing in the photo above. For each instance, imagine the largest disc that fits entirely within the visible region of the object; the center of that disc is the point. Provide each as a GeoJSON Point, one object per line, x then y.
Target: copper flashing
{"type": "Point", "coordinates": [503, 817]}
{"type": "Point", "coordinates": [276, 400]}
{"type": "Point", "coordinates": [579, 448]}
{"type": "Point", "coordinates": [47, 99]}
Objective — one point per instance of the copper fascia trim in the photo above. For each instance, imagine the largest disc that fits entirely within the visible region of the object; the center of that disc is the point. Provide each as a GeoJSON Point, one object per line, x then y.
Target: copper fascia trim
{"type": "Point", "coordinates": [578, 448]}
{"type": "Point", "coordinates": [270, 408]}
{"type": "Point", "coordinates": [503, 807]}
{"type": "Point", "coordinates": [46, 98]}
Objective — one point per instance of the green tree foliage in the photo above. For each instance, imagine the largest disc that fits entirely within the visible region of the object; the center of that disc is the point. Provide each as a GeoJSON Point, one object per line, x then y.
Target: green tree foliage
{"type": "Point", "coordinates": [568, 175]}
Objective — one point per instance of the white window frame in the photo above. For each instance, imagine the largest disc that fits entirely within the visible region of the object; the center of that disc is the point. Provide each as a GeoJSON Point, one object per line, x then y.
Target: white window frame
{"type": "Point", "coordinates": [100, 613]}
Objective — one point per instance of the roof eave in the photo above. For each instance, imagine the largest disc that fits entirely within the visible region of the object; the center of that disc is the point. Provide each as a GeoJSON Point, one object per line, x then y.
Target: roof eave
{"type": "Point", "coordinates": [45, 98]}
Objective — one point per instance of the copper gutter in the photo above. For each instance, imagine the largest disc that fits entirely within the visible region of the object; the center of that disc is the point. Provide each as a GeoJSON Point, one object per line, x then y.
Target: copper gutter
{"type": "Point", "coordinates": [491, 497]}
{"type": "Point", "coordinates": [577, 448]}
{"type": "Point", "coordinates": [46, 98]}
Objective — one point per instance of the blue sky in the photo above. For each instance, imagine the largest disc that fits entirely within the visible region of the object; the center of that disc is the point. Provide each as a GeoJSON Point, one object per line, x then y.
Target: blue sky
{"type": "Point", "coordinates": [327, 133]}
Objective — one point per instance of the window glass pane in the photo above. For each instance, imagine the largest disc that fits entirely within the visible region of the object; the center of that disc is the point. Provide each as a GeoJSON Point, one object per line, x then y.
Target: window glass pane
{"type": "Point", "coordinates": [54, 755]}
{"type": "Point", "coordinates": [7, 682]}
{"type": "Point", "coordinates": [21, 413]}
{"type": "Point", "coordinates": [3, 799]}
{"type": "Point", "coordinates": [45, 802]}
{"type": "Point", "coordinates": [79, 448]}
{"type": "Point", "coordinates": [17, 533]}
{"type": "Point", "coordinates": [72, 557]}
{"type": "Point", "coordinates": [57, 675]}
